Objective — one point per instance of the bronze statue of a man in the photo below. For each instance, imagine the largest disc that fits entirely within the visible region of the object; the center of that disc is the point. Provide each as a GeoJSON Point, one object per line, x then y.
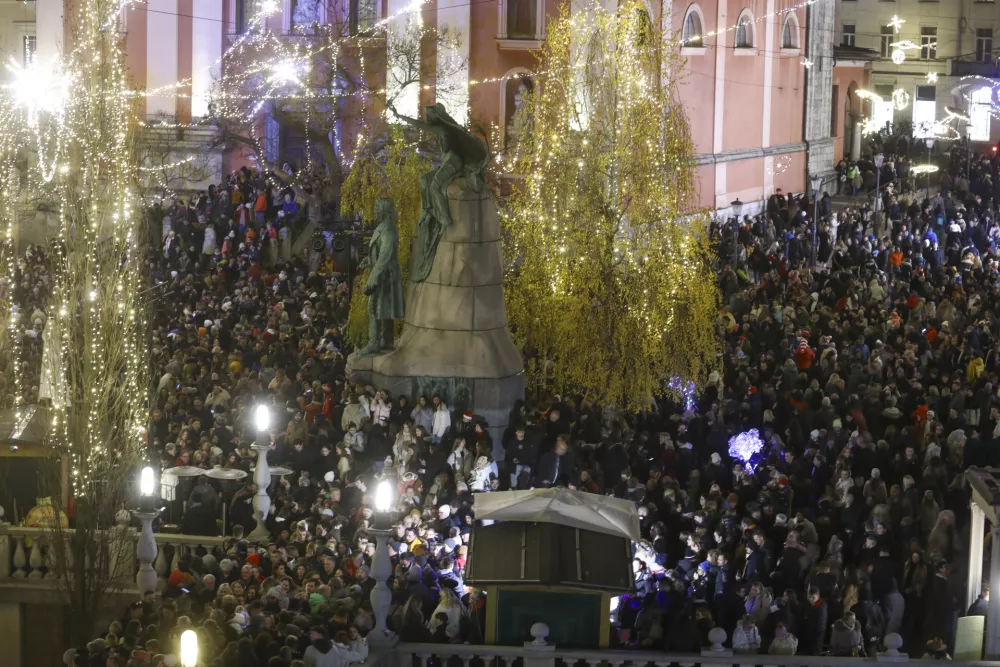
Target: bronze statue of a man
{"type": "Point", "coordinates": [461, 154]}
{"type": "Point", "coordinates": [385, 282]}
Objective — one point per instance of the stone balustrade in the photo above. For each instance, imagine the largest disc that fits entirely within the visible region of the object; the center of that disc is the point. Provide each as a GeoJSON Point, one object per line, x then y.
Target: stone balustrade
{"type": "Point", "coordinates": [538, 653]}
{"type": "Point", "coordinates": [31, 555]}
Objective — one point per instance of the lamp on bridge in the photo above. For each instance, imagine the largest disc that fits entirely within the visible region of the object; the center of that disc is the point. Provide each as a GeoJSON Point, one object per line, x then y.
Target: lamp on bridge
{"type": "Point", "coordinates": [737, 208]}
{"type": "Point", "coordinates": [146, 548]}
{"type": "Point", "coordinates": [189, 649]}
{"type": "Point", "coordinates": [262, 474]}
{"type": "Point", "coordinates": [381, 596]}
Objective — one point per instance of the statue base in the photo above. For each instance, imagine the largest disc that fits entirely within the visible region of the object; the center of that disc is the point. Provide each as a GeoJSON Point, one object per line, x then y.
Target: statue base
{"type": "Point", "coordinates": [455, 340]}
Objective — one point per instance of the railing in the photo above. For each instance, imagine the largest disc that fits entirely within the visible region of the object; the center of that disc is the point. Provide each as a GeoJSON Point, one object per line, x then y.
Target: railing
{"type": "Point", "coordinates": [30, 556]}
{"type": "Point", "coordinates": [458, 655]}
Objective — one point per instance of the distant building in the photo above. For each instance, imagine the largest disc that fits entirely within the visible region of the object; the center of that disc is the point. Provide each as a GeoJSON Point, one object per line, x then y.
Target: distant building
{"type": "Point", "coordinates": [745, 83]}
{"type": "Point", "coordinates": [946, 46]}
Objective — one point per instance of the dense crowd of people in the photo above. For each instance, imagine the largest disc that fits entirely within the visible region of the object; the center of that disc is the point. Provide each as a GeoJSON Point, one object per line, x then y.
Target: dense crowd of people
{"type": "Point", "coordinates": [870, 376]}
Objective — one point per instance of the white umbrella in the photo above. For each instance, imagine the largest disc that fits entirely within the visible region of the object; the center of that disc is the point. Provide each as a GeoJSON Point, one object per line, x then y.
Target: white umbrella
{"type": "Point", "coordinates": [601, 514]}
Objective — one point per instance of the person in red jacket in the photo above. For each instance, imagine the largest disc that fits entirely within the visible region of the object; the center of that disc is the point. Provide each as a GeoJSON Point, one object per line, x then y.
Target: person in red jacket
{"type": "Point", "coordinates": [804, 355]}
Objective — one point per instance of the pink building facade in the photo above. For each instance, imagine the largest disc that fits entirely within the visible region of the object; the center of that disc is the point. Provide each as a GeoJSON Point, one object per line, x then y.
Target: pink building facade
{"type": "Point", "coordinates": [744, 87]}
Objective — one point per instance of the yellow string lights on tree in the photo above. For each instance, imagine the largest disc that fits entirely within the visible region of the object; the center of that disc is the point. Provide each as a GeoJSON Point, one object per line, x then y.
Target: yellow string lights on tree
{"type": "Point", "coordinates": [80, 121]}
{"type": "Point", "coordinates": [609, 281]}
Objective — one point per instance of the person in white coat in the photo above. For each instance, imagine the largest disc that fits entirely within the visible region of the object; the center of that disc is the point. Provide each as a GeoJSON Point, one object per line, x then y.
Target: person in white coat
{"type": "Point", "coordinates": [346, 647]}
{"type": "Point", "coordinates": [208, 245]}
{"type": "Point", "coordinates": [746, 638]}
{"type": "Point", "coordinates": [442, 419]}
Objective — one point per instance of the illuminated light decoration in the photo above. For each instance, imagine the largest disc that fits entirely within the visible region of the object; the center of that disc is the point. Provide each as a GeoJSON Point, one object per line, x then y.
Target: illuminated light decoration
{"type": "Point", "coordinates": [686, 389]}
{"type": "Point", "coordinates": [897, 23]}
{"type": "Point", "coordinates": [932, 77]}
{"type": "Point", "coordinates": [944, 131]}
{"type": "Point", "coordinates": [639, 134]}
{"type": "Point", "coordinates": [868, 127]}
{"type": "Point", "coordinates": [172, 165]}
{"type": "Point", "coordinates": [957, 114]}
{"type": "Point", "coordinates": [745, 446]}
{"type": "Point", "coordinates": [284, 72]}
{"type": "Point", "coordinates": [900, 99]}
{"type": "Point", "coordinates": [780, 165]}
{"type": "Point", "coordinates": [906, 45]}
{"type": "Point", "coordinates": [918, 169]}
{"type": "Point", "coordinates": [82, 125]}
{"type": "Point", "coordinates": [898, 56]}
{"type": "Point", "coordinates": [269, 8]}
{"type": "Point", "coordinates": [807, 63]}
{"type": "Point", "coordinates": [868, 95]}
{"type": "Point", "coordinates": [37, 89]}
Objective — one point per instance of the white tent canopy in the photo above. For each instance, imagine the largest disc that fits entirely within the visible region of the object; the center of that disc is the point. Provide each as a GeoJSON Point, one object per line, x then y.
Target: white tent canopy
{"type": "Point", "coordinates": [601, 514]}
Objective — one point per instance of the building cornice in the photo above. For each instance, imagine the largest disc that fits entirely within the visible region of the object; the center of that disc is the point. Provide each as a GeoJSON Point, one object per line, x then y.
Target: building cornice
{"type": "Point", "coordinates": [748, 153]}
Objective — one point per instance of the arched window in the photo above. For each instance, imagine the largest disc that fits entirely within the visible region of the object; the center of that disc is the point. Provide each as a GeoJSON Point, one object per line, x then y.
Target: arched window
{"type": "Point", "coordinates": [693, 27]}
{"type": "Point", "coordinates": [790, 33]}
{"type": "Point", "coordinates": [744, 30]}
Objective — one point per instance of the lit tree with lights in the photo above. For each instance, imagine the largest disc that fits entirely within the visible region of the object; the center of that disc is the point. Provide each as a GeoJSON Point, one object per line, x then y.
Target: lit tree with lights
{"type": "Point", "coordinates": [77, 121]}
{"type": "Point", "coordinates": [609, 287]}
{"type": "Point", "coordinates": [327, 83]}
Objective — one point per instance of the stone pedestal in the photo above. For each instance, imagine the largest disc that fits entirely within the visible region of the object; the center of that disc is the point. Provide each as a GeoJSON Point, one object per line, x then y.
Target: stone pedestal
{"type": "Point", "coordinates": [455, 339]}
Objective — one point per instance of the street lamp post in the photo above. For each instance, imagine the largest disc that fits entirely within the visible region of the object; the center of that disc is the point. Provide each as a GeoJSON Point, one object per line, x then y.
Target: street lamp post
{"type": "Point", "coordinates": [146, 548]}
{"type": "Point", "coordinates": [930, 145]}
{"type": "Point", "coordinates": [262, 474]}
{"type": "Point", "coordinates": [737, 208]}
{"type": "Point", "coordinates": [817, 183]}
{"type": "Point", "coordinates": [879, 161]}
{"type": "Point", "coordinates": [189, 649]}
{"type": "Point", "coordinates": [381, 596]}
{"type": "Point", "coordinates": [968, 150]}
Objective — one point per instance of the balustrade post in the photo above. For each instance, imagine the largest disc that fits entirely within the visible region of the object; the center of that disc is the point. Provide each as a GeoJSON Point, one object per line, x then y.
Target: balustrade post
{"type": "Point", "coordinates": [35, 558]}
{"type": "Point", "coordinates": [5, 553]}
{"type": "Point", "coordinates": [51, 564]}
{"type": "Point", "coordinates": [146, 552]}
{"type": "Point", "coordinates": [162, 568]}
{"type": "Point", "coordinates": [261, 501]}
{"type": "Point", "coordinates": [20, 559]}
{"type": "Point", "coordinates": [893, 642]}
{"type": "Point", "coordinates": [539, 653]}
{"type": "Point", "coordinates": [381, 596]}
{"type": "Point", "coordinates": [717, 636]}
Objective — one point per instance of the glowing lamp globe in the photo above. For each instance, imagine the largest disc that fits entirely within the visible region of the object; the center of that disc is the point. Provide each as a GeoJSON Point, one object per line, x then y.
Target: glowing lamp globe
{"type": "Point", "coordinates": [147, 481]}
{"type": "Point", "coordinates": [189, 649]}
{"type": "Point", "coordinates": [262, 417]}
{"type": "Point", "coordinates": [383, 496]}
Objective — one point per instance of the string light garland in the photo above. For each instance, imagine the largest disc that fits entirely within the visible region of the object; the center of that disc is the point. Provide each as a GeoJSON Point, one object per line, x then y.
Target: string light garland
{"type": "Point", "coordinates": [77, 116]}
{"type": "Point", "coordinates": [900, 99]}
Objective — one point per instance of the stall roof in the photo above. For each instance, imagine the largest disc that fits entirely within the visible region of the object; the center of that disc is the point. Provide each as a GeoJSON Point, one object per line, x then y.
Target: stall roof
{"type": "Point", "coordinates": [601, 514]}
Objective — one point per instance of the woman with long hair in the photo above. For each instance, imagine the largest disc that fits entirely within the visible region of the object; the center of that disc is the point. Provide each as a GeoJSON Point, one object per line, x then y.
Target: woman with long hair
{"type": "Point", "coordinates": [451, 607]}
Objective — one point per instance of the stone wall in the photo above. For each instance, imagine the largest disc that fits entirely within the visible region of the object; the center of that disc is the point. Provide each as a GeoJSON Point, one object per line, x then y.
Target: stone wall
{"type": "Point", "coordinates": [820, 31]}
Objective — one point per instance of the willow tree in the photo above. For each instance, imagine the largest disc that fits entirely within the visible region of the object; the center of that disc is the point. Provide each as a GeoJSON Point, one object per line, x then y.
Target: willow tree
{"type": "Point", "coordinates": [609, 286]}
{"type": "Point", "coordinates": [78, 119]}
